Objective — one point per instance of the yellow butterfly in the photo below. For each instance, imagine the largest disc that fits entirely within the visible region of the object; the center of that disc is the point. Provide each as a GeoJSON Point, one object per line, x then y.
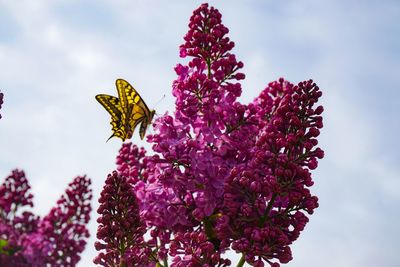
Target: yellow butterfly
{"type": "Point", "coordinates": [127, 111]}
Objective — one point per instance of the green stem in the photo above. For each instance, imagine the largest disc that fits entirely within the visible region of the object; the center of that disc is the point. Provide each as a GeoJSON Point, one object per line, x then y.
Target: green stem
{"type": "Point", "coordinates": [241, 261]}
{"type": "Point", "coordinates": [267, 210]}
{"type": "Point", "coordinates": [208, 61]}
{"type": "Point", "coordinates": [208, 228]}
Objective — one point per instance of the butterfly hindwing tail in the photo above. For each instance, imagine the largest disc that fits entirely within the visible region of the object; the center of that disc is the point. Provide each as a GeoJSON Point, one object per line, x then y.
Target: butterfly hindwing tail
{"type": "Point", "coordinates": [145, 123]}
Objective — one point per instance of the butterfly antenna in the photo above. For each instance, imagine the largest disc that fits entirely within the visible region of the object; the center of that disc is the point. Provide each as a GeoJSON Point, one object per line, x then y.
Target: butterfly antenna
{"type": "Point", "coordinates": [158, 102]}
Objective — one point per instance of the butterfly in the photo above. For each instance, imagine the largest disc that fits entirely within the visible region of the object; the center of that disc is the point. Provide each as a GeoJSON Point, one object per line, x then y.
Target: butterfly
{"type": "Point", "coordinates": [127, 111]}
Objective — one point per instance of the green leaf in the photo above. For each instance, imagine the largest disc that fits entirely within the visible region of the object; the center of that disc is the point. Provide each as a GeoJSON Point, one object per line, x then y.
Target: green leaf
{"type": "Point", "coordinates": [3, 243]}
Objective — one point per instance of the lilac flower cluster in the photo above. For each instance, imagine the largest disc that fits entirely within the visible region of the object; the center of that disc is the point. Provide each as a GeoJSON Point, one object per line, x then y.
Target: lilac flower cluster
{"type": "Point", "coordinates": [55, 240]}
{"type": "Point", "coordinates": [15, 226]}
{"type": "Point", "coordinates": [65, 225]}
{"type": "Point", "coordinates": [196, 250]}
{"type": "Point", "coordinates": [266, 197]}
{"type": "Point", "coordinates": [120, 227]}
{"type": "Point", "coordinates": [1, 101]}
{"type": "Point", "coordinates": [224, 175]}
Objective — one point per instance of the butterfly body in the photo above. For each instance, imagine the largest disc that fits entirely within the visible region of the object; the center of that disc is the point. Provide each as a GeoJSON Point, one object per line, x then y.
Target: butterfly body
{"type": "Point", "coordinates": [127, 111]}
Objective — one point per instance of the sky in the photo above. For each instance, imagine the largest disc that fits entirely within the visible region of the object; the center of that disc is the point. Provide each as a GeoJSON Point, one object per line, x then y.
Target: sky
{"type": "Point", "coordinates": [56, 55]}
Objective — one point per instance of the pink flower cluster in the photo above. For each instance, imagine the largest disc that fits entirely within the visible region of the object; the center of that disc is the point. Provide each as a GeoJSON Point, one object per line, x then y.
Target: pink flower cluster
{"type": "Point", "coordinates": [224, 175]}
{"type": "Point", "coordinates": [266, 197]}
{"type": "Point", "coordinates": [55, 240]}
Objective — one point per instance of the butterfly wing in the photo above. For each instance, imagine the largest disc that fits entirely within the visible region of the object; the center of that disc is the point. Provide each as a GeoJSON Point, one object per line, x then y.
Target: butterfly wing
{"type": "Point", "coordinates": [145, 123]}
{"type": "Point", "coordinates": [134, 106]}
{"type": "Point", "coordinates": [137, 117]}
{"type": "Point", "coordinates": [113, 107]}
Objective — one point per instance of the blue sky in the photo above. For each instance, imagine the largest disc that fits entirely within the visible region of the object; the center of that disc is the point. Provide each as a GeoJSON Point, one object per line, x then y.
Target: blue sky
{"type": "Point", "coordinates": [55, 56]}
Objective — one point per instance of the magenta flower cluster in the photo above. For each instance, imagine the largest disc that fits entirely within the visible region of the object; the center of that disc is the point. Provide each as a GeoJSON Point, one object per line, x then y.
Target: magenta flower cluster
{"type": "Point", "coordinates": [55, 240]}
{"type": "Point", "coordinates": [120, 227]}
{"type": "Point", "coordinates": [223, 175]}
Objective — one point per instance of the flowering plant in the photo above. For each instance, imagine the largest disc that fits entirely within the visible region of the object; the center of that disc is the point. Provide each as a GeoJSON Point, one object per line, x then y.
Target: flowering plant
{"type": "Point", "coordinates": [1, 100]}
{"type": "Point", "coordinates": [223, 175]}
{"type": "Point", "coordinates": [57, 239]}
